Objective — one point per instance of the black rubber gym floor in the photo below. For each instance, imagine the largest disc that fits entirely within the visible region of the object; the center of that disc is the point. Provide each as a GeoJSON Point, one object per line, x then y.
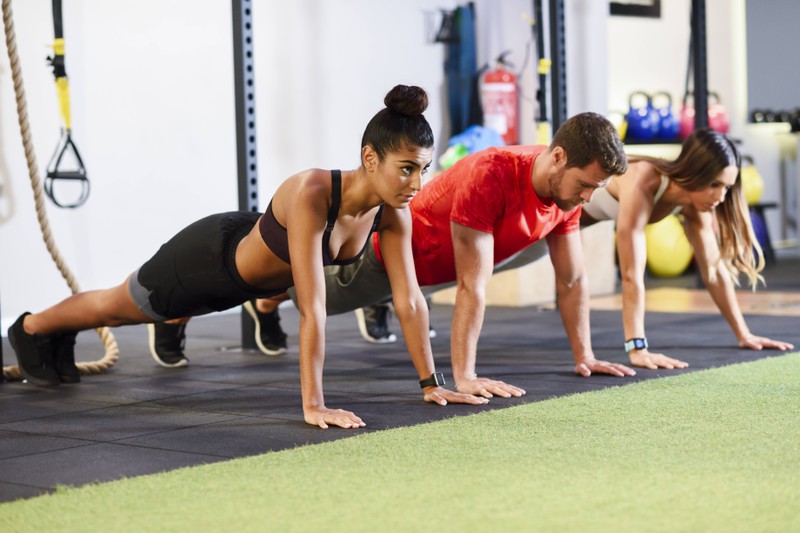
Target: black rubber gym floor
{"type": "Point", "coordinates": [140, 418]}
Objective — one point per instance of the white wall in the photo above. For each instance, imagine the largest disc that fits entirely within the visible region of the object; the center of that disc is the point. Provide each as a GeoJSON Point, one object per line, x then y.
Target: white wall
{"type": "Point", "coordinates": [152, 108]}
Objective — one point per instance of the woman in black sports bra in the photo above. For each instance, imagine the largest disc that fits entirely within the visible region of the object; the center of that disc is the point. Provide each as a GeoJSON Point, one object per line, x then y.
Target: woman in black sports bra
{"type": "Point", "coordinates": [316, 217]}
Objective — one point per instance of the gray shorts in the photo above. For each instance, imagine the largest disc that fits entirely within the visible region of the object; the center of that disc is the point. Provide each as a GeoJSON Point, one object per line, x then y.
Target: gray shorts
{"type": "Point", "coordinates": [365, 282]}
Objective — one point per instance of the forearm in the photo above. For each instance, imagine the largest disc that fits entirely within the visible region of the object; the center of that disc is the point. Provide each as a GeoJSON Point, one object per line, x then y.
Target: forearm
{"type": "Point", "coordinates": [312, 357]}
{"type": "Point", "coordinates": [724, 296]}
{"type": "Point", "coordinates": [468, 316]}
{"type": "Point", "coordinates": [413, 317]}
{"type": "Point", "coordinates": [573, 302]}
{"type": "Point", "coordinates": [633, 307]}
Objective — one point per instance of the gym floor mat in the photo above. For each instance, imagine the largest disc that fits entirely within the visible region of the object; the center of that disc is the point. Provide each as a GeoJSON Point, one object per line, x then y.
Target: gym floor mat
{"type": "Point", "coordinates": [140, 418]}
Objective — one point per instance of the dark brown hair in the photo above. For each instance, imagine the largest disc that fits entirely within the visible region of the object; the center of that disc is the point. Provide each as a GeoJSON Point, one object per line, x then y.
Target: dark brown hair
{"type": "Point", "coordinates": [590, 137]}
{"type": "Point", "coordinates": [401, 123]}
{"type": "Point", "coordinates": [704, 155]}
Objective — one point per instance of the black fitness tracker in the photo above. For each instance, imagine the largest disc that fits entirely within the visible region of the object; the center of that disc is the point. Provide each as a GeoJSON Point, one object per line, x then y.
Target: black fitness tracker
{"type": "Point", "coordinates": [436, 380]}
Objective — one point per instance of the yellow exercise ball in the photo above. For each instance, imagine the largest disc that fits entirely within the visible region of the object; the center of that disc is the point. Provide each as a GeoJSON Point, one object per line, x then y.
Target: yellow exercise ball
{"type": "Point", "coordinates": [752, 184]}
{"type": "Point", "coordinates": [668, 250]}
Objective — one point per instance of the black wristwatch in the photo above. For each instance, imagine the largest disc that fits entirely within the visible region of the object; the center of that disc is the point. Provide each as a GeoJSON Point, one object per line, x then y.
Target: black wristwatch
{"type": "Point", "coordinates": [436, 380]}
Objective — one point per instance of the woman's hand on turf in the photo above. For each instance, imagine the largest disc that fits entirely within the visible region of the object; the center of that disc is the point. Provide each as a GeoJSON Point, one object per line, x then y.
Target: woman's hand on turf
{"type": "Point", "coordinates": [654, 361]}
{"type": "Point", "coordinates": [322, 416]}
{"type": "Point", "coordinates": [442, 396]}
{"type": "Point", "coordinates": [589, 366]}
{"type": "Point", "coordinates": [488, 388]}
{"type": "Point", "coordinates": [754, 342]}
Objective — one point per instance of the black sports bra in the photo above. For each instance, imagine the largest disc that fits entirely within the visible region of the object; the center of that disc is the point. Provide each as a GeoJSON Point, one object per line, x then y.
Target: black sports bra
{"type": "Point", "coordinates": [277, 240]}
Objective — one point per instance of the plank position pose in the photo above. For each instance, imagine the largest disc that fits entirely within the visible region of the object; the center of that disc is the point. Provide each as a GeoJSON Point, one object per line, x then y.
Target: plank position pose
{"type": "Point", "coordinates": [704, 186]}
{"type": "Point", "coordinates": [317, 217]}
{"type": "Point", "coordinates": [482, 211]}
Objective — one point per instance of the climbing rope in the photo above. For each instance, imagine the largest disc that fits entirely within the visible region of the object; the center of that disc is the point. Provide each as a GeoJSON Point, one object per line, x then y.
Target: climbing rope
{"type": "Point", "coordinates": [112, 349]}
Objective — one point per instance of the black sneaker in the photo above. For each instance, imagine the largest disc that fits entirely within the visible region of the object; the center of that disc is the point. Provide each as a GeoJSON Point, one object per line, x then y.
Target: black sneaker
{"type": "Point", "coordinates": [65, 358]}
{"type": "Point", "coordinates": [166, 344]}
{"type": "Point", "coordinates": [270, 337]}
{"type": "Point", "coordinates": [34, 354]}
{"type": "Point", "coordinates": [373, 323]}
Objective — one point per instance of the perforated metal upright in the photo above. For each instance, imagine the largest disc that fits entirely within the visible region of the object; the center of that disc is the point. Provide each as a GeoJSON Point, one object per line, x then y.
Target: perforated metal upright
{"type": "Point", "coordinates": [244, 81]}
{"type": "Point", "coordinates": [700, 61]}
{"type": "Point", "coordinates": [558, 57]}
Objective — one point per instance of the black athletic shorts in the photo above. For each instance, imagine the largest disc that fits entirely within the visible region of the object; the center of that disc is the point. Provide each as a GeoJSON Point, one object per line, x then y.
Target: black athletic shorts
{"type": "Point", "coordinates": [194, 273]}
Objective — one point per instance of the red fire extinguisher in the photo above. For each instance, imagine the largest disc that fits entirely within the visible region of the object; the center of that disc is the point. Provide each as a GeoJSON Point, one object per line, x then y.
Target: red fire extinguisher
{"type": "Point", "coordinates": [500, 100]}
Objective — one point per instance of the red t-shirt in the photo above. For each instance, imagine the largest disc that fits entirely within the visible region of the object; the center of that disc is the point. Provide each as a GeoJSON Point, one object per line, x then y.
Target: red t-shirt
{"type": "Point", "coordinates": [490, 191]}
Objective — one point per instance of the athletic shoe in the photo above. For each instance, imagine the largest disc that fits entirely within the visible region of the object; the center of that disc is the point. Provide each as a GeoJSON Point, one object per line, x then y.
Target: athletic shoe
{"type": "Point", "coordinates": [65, 358]}
{"type": "Point", "coordinates": [34, 354]}
{"type": "Point", "coordinates": [373, 323]}
{"type": "Point", "coordinates": [166, 344]}
{"type": "Point", "coordinates": [270, 337]}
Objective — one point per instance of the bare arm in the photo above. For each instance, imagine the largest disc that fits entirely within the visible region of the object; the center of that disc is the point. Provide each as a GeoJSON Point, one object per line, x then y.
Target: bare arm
{"type": "Point", "coordinates": [474, 255]}
{"type": "Point", "coordinates": [566, 253]}
{"type": "Point", "coordinates": [636, 207]}
{"type": "Point", "coordinates": [700, 232]}
{"type": "Point", "coordinates": [409, 303]}
{"type": "Point", "coordinates": [306, 217]}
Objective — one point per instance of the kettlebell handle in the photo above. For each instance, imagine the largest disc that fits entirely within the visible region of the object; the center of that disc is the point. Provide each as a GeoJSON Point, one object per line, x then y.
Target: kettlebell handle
{"type": "Point", "coordinates": [647, 97]}
{"type": "Point", "coordinates": [712, 94]}
{"type": "Point", "coordinates": [663, 93]}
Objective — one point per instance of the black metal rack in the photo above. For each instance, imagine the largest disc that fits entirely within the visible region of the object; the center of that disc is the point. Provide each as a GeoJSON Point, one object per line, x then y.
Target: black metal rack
{"type": "Point", "coordinates": [244, 87]}
{"type": "Point", "coordinates": [558, 57]}
{"type": "Point", "coordinates": [700, 62]}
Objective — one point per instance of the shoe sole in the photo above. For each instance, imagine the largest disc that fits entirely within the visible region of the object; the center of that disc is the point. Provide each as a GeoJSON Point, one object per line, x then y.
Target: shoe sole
{"type": "Point", "coordinates": [251, 310]}
{"type": "Point", "coordinates": [151, 342]}
{"type": "Point", "coordinates": [362, 328]}
{"type": "Point", "coordinates": [31, 379]}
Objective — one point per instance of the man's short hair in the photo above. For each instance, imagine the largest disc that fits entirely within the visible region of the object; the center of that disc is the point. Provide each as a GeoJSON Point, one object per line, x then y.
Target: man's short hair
{"type": "Point", "coordinates": [589, 137]}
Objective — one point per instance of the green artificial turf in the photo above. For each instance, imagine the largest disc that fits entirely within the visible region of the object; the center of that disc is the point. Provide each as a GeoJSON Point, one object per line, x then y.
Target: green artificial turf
{"type": "Point", "coordinates": [717, 450]}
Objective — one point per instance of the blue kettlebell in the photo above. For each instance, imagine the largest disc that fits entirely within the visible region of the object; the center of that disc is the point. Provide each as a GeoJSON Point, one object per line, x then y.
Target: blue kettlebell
{"type": "Point", "coordinates": [668, 123]}
{"type": "Point", "coordinates": [643, 121]}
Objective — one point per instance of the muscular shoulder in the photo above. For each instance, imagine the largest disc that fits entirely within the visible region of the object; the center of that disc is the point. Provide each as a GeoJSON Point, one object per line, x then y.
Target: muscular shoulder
{"type": "Point", "coordinates": [641, 175]}
{"type": "Point", "coordinates": [309, 189]}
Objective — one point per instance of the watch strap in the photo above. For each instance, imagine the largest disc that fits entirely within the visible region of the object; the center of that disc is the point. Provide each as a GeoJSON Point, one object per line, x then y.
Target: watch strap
{"type": "Point", "coordinates": [435, 380]}
{"type": "Point", "coordinates": [637, 343]}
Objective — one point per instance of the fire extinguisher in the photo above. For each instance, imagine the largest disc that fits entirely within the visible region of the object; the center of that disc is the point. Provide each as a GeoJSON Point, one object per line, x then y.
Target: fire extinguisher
{"type": "Point", "coordinates": [500, 100]}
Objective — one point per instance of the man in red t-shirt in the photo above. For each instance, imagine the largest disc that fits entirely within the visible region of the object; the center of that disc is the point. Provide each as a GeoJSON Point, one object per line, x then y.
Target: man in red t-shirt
{"type": "Point", "coordinates": [484, 210]}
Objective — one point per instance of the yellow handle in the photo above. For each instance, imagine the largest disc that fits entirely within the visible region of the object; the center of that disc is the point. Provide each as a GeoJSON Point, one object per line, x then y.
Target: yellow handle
{"type": "Point", "coordinates": [544, 66]}
{"type": "Point", "coordinates": [543, 135]}
{"type": "Point", "coordinates": [62, 86]}
{"type": "Point", "coordinates": [62, 90]}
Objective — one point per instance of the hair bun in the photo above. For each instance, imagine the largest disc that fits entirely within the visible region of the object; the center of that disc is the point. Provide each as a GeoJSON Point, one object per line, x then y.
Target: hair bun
{"type": "Point", "coordinates": [408, 100]}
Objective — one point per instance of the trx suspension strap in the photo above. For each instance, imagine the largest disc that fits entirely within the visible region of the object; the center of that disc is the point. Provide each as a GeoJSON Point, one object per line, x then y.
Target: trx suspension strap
{"type": "Point", "coordinates": [543, 130]}
{"type": "Point", "coordinates": [56, 167]}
